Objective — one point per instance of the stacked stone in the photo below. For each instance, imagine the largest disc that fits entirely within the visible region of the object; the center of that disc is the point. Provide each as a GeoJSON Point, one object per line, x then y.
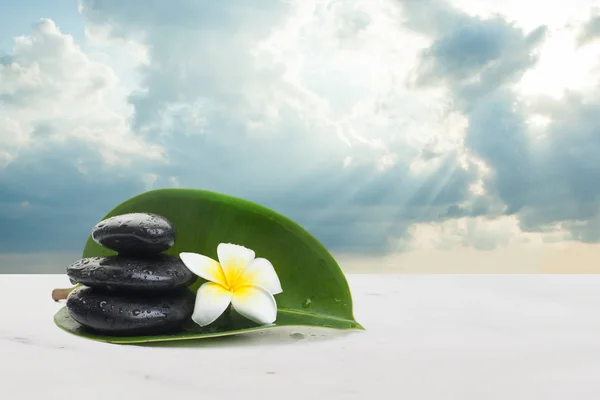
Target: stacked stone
{"type": "Point", "coordinates": [139, 291]}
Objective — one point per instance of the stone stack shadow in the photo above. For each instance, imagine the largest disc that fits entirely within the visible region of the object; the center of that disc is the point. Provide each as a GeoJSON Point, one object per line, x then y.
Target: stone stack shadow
{"type": "Point", "coordinates": [139, 291]}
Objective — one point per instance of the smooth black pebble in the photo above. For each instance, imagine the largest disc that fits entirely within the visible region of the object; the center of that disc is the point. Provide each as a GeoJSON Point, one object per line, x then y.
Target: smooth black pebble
{"type": "Point", "coordinates": [135, 234]}
{"type": "Point", "coordinates": [127, 273]}
{"type": "Point", "coordinates": [130, 314]}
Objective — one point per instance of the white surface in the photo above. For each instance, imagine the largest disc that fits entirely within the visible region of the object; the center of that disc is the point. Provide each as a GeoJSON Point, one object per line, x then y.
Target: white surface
{"type": "Point", "coordinates": [444, 337]}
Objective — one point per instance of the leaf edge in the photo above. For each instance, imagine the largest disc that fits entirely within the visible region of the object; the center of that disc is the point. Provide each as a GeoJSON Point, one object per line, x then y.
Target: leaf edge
{"type": "Point", "coordinates": [124, 340]}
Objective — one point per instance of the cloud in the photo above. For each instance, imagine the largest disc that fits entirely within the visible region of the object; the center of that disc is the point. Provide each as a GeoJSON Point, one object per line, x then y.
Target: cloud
{"type": "Point", "coordinates": [477, 232]}
{"type": "Point", "coordinates": [281, 104]}
{"type": "Point", "coordinates": [372, 124]}
{"type": "Point", "coordinates": [545, 176]}
{"type": "Point", "coordinates": [67, 151]}
{"type": "Point", "coordinates": [474, 56]}
{"type": "Point", "coordinates": [564, 185]}
{"type": "Point", "coordinates": [590, 31]}
{"type": "Point", "coordinates": [54, 95]}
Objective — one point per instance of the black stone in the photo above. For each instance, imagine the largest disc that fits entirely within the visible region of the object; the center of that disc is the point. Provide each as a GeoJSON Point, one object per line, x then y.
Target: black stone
{"type": "Point", "coordinates": [127, 273]}
{"type": "Point", "coordinates": [109, 313]}
{"type": "Point", "coordinates": [135, 233]}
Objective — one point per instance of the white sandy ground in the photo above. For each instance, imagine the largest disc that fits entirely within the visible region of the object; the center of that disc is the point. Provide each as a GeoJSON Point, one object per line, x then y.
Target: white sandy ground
{"type": "Point", "coordinates": [463, 337]}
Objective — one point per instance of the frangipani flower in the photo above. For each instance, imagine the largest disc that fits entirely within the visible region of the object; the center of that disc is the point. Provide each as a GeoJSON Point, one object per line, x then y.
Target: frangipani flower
{"type": "Point", "coordinates": [239, 279]}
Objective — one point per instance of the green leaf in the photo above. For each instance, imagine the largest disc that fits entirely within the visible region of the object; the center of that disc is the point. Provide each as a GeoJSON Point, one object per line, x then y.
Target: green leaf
{"type": "Point", "coordinates": [315, 290]}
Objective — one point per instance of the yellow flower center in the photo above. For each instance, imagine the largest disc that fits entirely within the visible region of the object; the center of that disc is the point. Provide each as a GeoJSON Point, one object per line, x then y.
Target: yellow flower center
{"type": "Point", "coordinates": [234, 275]}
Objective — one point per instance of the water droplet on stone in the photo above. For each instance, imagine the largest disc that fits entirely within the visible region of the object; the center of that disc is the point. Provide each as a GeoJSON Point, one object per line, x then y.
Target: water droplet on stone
{"type": "Point", "coordinates": [102, 304]}
{"type": "Point", "coordinates": [297, 335]}
{"type": "Point", "coordinates": [136, 313]}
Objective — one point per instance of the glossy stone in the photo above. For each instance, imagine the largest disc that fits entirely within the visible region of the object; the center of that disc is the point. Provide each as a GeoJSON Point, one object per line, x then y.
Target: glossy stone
{"type": "Point", "coordinates": [121, 314]}
{"type": "Point", "coordinates": [127, 273]}
{"type": "Point", "coordinates": [135, 233]}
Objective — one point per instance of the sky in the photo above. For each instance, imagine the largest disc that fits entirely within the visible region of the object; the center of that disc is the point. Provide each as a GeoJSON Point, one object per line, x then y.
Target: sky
{"type": "Point", "coordinates": [407, 136]}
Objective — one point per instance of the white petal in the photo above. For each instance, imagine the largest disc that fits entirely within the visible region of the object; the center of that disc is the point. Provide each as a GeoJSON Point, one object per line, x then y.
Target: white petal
{"type": "Point", "coordinates": [260, 272]}
{"type": "Point", "coordinates": [204, 267]}
{"type": "Point", "coordinates": [211, 300]}
{"type": "Point", "coordinates": [255, 303]}
{"type": "Point", "coordinates": [234, 259]}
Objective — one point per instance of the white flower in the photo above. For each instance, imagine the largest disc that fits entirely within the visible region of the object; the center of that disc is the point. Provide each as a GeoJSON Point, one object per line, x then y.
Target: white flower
{"type": "Point", "coordinates": [239, 279]}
